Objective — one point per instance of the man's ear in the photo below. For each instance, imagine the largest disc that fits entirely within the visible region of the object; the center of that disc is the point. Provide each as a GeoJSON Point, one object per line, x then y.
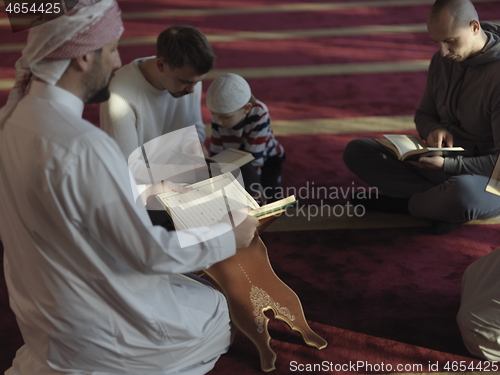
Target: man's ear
{"type": "Point", "coordinates": [475, 27]}
{"type": "Point", "coordinates": [84, 63]}
{"type": "Point", "coordinates": [161, 64]}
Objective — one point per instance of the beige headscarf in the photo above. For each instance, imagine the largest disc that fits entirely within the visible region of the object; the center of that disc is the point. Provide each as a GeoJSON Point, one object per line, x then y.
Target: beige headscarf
{"type": "Point", "coordinates": [90, 25]}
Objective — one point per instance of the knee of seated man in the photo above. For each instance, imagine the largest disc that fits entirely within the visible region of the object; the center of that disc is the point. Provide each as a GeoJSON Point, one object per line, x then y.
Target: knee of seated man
{"type": "Point", "coordinates": [462, 183]}
{"type": "Point", "coordinates": [462, 191]}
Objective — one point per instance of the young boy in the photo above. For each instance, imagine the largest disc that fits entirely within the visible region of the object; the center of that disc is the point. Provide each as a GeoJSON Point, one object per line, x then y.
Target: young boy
{"type": "Point", "coordinates": [242, 122]}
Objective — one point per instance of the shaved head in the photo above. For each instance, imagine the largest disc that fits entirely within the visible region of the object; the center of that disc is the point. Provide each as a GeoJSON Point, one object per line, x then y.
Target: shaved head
{"type": "Point", "coordinates": [454, 26]}
{"type": "Point", "coordinates": [462, 12]}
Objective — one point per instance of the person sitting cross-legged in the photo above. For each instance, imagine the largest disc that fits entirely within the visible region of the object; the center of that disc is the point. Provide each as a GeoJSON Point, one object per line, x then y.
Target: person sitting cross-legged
{"type": "Point", "coordinates": [460, 107]}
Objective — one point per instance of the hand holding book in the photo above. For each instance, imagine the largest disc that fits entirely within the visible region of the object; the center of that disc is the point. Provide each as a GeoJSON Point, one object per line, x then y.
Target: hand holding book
{"type": "Point", "coordinates": [440, 138]}
{"type": "Point", "coordinates": [245, 231]}
{"type": "Point", "coordinates": [429, 162]}
{"type": "Point", "coordinates": [406, 146]}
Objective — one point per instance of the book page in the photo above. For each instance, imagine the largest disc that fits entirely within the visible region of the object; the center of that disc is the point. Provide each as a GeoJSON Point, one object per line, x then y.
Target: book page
{"type": "Point", "coordinates": [207, 202]}
{"type": "Point", "coordinates": [405, 143]}
{"type": "Point", "coordinates": [494, 181]}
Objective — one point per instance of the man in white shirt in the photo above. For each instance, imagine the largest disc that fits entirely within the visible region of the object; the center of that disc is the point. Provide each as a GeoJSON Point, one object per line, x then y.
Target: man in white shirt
{"type": "Point", "coordinates": [96, 289]}
{"type": "Point", "coordinates": [153, 96]}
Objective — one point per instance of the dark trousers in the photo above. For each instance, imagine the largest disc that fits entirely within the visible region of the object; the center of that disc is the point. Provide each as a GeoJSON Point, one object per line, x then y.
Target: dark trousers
{"type": "Point", "coordinates": [269, 180]}
{"type": "Point", "coordinates": [433, 194]}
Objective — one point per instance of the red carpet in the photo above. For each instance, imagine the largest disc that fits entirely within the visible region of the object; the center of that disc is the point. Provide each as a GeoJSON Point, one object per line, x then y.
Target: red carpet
{"type": "Point", "coordinates": [324, 50]}
{"type": "Point", "coordinates": [287, 20]}
{"type": "Point", "coordinates": [340, 96]}
{"type": "Point", "coordinates": [348, 353]}
{"type": "Point", "coordinates": [378, 296]}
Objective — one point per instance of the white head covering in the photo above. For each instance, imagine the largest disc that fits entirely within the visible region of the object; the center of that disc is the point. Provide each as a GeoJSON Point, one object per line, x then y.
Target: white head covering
{"type": "Point", "coordinates": [228, 93]}
{"type": "Point", "coordinates": [50, 47]}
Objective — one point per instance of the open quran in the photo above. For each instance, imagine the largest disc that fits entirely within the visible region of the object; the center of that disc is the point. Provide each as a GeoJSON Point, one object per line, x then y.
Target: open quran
{"type": "Point", "coordinates": [406, 146]}
{"type": "Point", "coordinates": [208, 201]}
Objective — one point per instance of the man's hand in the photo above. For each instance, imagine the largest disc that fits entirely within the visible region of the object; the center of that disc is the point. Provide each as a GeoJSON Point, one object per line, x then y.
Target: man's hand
{"type": "Point", "coordinates": [440, 138]}
{"type": "Point", "coordinates": [429, 162]}
{"type": "Point", "coordinates": [246, 226]}
{"type": "Point", "coordinates": [245, 231]}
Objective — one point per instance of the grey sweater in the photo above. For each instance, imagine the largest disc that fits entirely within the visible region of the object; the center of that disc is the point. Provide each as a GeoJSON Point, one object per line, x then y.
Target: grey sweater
{"type": "Point", "coordinates": [464, 97]}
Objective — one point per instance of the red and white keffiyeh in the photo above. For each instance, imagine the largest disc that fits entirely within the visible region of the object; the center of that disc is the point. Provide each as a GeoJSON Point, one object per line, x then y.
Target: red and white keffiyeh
{"type": "Point", "coordinates": [89, 26]}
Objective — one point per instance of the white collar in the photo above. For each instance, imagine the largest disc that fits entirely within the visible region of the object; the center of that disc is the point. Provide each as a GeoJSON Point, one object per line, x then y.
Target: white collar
{"type": "Point", "coordinates": [57, 94]}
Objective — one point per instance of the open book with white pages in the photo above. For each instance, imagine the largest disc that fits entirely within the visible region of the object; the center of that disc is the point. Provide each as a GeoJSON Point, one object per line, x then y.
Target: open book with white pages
{"type": "Point", "coordinates": [208, 201]}
{"type": "Point", "coordinates": [406, 146]}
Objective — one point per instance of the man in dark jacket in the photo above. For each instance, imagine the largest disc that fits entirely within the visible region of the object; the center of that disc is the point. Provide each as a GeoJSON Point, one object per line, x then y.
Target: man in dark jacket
{"type": "Point", "coordinates": [460, 107]}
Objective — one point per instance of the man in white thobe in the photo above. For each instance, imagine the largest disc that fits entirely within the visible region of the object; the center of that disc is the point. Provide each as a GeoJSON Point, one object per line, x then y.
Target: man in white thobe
{"type": "Point", "coordinates": [479, 314]}
{"type": "Point", "coordinates": [96, 289]}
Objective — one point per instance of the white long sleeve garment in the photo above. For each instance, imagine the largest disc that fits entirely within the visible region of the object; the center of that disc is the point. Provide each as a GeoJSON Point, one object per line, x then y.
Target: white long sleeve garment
{"type": "Point", "coordinates": [96, 289]}
{"type": "Point", "coordinates": [137, 112]}
{"type": "Point", "coordinates": [479, 314]}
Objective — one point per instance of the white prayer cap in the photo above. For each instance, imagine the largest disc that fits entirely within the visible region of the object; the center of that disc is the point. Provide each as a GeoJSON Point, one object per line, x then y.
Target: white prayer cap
{"type": "Point", "coordinates": [90, 25]}
{"type": "Point", "coordinates": [228, 93]}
